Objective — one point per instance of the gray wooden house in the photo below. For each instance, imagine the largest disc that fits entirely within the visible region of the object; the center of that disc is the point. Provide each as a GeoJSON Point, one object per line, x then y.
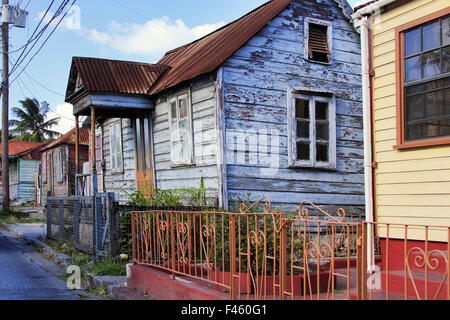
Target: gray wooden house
{"type": "Point", "coordinates": [268, 105]}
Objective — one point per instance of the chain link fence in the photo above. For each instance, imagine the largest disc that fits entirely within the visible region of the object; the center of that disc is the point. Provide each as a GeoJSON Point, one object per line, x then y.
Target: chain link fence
{"type": "Point", "coordinates": [88, 223]}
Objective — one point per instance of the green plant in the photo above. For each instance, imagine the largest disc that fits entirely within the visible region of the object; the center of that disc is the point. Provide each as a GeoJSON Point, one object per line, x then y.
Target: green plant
{"type": "Point", "coordinates": [159, 198]}
{"type": "Point", "coordinates": [109, 267]}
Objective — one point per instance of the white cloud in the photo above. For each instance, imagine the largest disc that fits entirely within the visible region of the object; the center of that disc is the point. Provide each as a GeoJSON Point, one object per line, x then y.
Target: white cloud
{"type": "Point", "coordinates": [155, 37]}
{"type": "Point", "coordinates": [67, 119]}
{"type": "Point", "coordinates": [72, 20]}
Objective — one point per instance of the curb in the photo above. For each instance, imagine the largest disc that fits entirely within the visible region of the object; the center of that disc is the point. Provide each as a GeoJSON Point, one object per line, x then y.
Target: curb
{"type": "Point", "coordinates": [60, 259]}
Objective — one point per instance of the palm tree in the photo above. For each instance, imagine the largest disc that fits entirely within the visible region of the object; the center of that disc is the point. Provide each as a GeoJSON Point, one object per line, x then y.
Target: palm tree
{"type": "Point", "coordinates": [32, 124]}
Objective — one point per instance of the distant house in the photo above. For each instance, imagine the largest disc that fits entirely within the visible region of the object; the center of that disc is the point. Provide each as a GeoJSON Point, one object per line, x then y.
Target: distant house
{"type": "Point", "coordinates": [268, 105]}
{"type": "Point", "coordinates": [58, 164]}
{"type": "Point", "coordinates": [23, 170]}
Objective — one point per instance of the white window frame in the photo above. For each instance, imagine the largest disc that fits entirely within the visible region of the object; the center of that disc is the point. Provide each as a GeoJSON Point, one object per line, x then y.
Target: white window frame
{"type": "Point", "coordinates": [174, 136]}
{"type": "Point", "coordinates": [116, 126]}
{"type": "Point", "coordinates": [329, 26]}
{"type": "Point", "coordinates": [312, 97]}
{"type": "Point", "coordinates": [59, 165]}
{"type": "Point", "coordinates": [44, 167]}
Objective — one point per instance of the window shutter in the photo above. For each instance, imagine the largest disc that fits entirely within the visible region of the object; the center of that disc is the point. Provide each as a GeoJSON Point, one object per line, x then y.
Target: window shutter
{"type": "Point", "coordinates": [318, 42]}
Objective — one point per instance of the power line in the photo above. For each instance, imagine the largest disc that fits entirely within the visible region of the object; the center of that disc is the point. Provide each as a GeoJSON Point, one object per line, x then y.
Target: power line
{"type": "Point", "coordinates": [40, 48]}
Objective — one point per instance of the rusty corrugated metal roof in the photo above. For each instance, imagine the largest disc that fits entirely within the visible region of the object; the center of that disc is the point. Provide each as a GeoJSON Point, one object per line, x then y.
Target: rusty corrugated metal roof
{"type": "Point", "coordinates": [103, 75]}
{"type": "Point", "coordinates": [208, 53]}
{"type": "Point", "coordinates": [69, 138]}
{"type": "Point", "coordinates": [17, 147]}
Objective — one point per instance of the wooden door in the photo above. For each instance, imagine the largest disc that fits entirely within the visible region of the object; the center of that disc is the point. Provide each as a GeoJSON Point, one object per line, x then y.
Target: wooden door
{"type": "Point", "coordinates": [143, 154]}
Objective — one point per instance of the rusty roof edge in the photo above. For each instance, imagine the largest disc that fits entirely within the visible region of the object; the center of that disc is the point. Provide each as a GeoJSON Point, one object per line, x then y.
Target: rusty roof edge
{"type": "Point", "coordinates": [232, 31]}
{"type": "Point", "coordinates": [217, 30]}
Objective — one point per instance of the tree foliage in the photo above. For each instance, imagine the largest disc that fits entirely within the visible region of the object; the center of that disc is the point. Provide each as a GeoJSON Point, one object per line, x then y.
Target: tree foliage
{"type": "Point", "coordinates": [32, 124]}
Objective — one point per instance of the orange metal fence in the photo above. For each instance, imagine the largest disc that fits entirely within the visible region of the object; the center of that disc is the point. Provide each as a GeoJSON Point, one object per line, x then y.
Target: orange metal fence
{"type": "Point", "coordinates": [414, 262]}
{"type": "Point", "coordinates": [313, 254]}
{"type": "Point", "coordinates": [254, 255]}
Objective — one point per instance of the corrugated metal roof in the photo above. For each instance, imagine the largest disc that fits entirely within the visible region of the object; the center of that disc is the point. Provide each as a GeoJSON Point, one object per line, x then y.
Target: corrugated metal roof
{"type": "Point", "coordinates": [102, 75]}
{"type": "Point", "coordinates": [69, 138]}
{"type": "Point", "coordinates": [208, 53]}
{"type": "Point", "coordinates": [17, 147]}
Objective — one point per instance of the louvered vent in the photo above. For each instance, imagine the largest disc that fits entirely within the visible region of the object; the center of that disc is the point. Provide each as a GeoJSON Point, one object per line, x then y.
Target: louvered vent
{"type": "Point", "coordinates": [318, 43]}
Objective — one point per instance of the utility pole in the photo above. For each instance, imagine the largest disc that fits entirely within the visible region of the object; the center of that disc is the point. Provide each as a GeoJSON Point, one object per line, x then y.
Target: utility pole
{"type": "Point", "coordinates": [5, 111]}
{"type": "Point", "coordinates": [17, 17]}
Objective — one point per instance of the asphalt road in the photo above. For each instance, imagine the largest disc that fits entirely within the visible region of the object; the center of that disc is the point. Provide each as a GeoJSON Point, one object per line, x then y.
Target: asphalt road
{"type": "Point", "coordinates": [26, 275]}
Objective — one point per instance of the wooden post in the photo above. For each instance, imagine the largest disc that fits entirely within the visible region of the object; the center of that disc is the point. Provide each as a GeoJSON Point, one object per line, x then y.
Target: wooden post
{"type": "Point", "coordinates": [5, 112]}
{"type": "Point", "coordinates": [77, 143]}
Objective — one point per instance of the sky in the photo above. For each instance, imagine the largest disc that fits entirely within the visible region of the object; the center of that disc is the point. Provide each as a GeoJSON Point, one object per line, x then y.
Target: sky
{"type": "Point", "coordinates": [134, 30]}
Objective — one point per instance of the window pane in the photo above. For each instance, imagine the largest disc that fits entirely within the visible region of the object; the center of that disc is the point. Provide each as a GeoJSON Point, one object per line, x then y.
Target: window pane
{"type": "Point", "coordinates": [302, 108]}
{"type": "Point", "coordinates": [444, 127]}
{"type": "Point", "coordinates": [412, 42]}
{"type": "Point", "coordinates": [434, 104]}
{"type": "Point", "coordinates": [447, 101]}
{"type": "Point", "coordinates": [113, 163]}
{"type": "Point", "coordinates": [138, 144]}
{"type": "Point", "coordinates": [173, 107]}
{"type": "Point", "coordinates": [302, 151]}
{"type": "Point", "coordinates": [322, 152]}
{"type": "Point", "coordinates": [119, 161]}
{"type": "Point", "coordinates": [446, 31]}
{"type": "Point", "coordinates": [175, 130]}
{"type": "Point", "coordinates": [322, 131]}
{"type": "Point", "coordinates": [183, 128]}
{"type": "Point", "coordinates": [413, 69]}
{"type": "Point", "coordinates": [183, 108]}
{"type": "Point", "coordinates": [431, 64]}
{"type": "Point", "coordinates": [185, 150]}
{"type": "Point", "coordinates": [414, 107]}
{"type": "Point", "coordinates": [321, 110]}
{"type": "Point", "coordinates": [446, 60]}
{"type": "Point", "coordinates": [418, 88]}
{"type": "Point", "coordinates": [431, 35]}
{"type": "Point", "coordinates": [302, 129]}
{"type": "Point", "coordinates": [147, 148]}
{"type": "Point", "coordinates": [176, 151]}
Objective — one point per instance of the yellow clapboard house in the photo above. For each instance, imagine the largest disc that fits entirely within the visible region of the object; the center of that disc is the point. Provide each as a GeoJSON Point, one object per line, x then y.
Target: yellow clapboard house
{"type": "Point", "coordinates": [409, 56]}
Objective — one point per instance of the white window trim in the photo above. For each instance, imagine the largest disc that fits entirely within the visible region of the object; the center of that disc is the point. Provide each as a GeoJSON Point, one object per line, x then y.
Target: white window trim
{"type": "Point", "coordinates": [176, 98]}
{"type": "Point", "coordinates": [329, 26]}
{"type": "Point", "coordinates": [44, 167]}
{"type": "Point", "coordinates": [111, 153]}
{"type": "Point", "coordinates": [292, 95]}
{"type": "Point", "coordinates": [59, 166]}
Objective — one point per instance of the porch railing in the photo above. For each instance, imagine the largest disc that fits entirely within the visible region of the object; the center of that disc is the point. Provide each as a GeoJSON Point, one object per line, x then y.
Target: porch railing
{"type": "Point", "coordinates": [313, 254]}
{"type": "Point", "coordinates": [253, 255]}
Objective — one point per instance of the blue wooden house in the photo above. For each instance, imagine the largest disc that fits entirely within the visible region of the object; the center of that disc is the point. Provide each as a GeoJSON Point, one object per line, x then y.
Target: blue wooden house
{"type": "Point", "coordinates": [268, 105]}
{"type": "Point", "coordinates": [24, 163]}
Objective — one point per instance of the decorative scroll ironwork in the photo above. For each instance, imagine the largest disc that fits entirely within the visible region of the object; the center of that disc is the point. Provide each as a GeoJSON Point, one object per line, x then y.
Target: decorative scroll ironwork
{"type": "Point", "coordinates": [209, 233]}
{"type": "Point", "coordinates": [303, 213]}
{"type": "Point", "coordinates": [182, 235]}
{"type": "Point", "coordinates": [425, 261]}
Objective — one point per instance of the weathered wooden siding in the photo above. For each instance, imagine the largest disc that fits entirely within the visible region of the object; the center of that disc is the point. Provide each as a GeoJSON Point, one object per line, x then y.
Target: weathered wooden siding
{"type": "Point", "coordinates": [256, 79]}
{"type": "Point", "coordinates": [412, 186]}
{"type": "Point", "coordinates": [27, 172]}
{"type": "Point", "coordinates": [204, 141]}
{"type": "Point", "coordinates": [125, 180]}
